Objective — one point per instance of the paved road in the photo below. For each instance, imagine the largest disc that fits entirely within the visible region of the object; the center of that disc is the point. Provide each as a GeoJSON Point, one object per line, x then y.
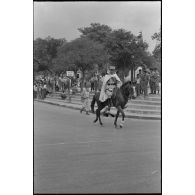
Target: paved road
{"type": "Point", "coordinates": [73, 155]}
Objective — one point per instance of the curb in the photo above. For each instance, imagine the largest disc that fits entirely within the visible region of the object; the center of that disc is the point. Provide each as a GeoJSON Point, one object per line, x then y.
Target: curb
{"type": "Point", "coordinates": [75, 108]}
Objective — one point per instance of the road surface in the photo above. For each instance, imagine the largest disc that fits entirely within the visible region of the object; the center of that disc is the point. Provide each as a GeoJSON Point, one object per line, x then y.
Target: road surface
{"type": "Point", "coordinates": [73, 155]}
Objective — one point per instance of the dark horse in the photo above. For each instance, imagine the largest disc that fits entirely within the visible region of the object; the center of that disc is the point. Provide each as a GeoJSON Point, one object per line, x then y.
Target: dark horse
{"type": "Point", "coordinates": [119, 100]}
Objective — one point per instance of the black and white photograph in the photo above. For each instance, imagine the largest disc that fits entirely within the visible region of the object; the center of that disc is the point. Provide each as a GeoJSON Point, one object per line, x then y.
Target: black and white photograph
{"type": "Point", "coordinates": [97, 97]}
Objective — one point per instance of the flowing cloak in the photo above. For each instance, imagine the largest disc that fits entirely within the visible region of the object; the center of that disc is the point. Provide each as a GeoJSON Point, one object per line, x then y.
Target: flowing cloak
{"type": "Point", "coordinates": [103, 94]}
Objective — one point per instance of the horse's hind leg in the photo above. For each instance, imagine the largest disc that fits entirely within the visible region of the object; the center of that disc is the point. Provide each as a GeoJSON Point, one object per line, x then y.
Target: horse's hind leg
{"type": "Point", "coordinates": [123, 116]}
{"type": "Point", "coordinates": [100, 107]}
{"type": "Point", "coordinates": [98, 117]}
{"type": "Point", "coordinates": [100, 121]}
{"type": "Point", "coordinates": [116, 117]}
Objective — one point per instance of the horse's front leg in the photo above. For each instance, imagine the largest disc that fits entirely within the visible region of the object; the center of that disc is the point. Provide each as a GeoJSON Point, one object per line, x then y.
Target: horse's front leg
{"type": "Point", "coordinates": [100, 107]}
{"type": "Point", "coordinates": [116, 117]}
{"type": "Point", "coordinates": [123, 116]}
{"type": "Point", "coordinates": [98, 113]}
{"type": "Point", "coordinates": [96, 116]}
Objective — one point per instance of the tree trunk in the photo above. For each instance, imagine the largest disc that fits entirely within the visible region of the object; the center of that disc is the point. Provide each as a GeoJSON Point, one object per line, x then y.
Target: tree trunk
{"type": "Point", "coordinates": [122, 76]}
{"type": "Point", "coordinates": [82, 80]}
{"type": "Point", "coordinates": [132, 74]}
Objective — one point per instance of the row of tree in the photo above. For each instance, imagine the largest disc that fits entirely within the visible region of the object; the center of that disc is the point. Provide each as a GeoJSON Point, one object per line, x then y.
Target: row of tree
{"type": "Point", "coordinates": [97, 46]}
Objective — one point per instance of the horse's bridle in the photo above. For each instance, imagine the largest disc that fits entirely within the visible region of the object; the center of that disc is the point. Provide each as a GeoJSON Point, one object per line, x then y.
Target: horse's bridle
{"type": "Point", "coordinates": [131, 95]}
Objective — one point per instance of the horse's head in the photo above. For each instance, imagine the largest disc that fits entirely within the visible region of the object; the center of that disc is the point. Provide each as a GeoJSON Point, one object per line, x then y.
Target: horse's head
{"type": "Point", "coordinates": [129, 89]}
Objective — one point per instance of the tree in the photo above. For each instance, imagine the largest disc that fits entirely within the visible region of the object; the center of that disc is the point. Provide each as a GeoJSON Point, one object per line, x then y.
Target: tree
{"type": "Point", "coordinates": [82, 53]}
{"type": "Point", "coordinates": [124, 49]}
{"type": "Point", "coordinates": [157, 50]}
{"type": "Point", "coordinates": [96, 32]}
{"type": "Point", "coordinates": [45, 51]}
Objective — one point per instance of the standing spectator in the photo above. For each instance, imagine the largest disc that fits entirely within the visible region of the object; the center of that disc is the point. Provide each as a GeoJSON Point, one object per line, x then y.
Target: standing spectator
{"type": "Point", "coordinates": [41, 91]}
{"type": "Point", "coordinates": [44, 91]}
{"type": "Point", "coordinates": [148, 73]}
{"type": "Point", "coordinates": [138, 86]}
{"type": "Point", "coordinates": [152, 82]}
{"type": "Point", "coordinates": [85, 100]}
{"type": "Point", "coordinates": [88, 85]}
{"type": "Point", "coordinates": [38, 90]}
{"type": "Point", "coordinates": [140, 74]}
{"type": "Point", "coordinates": [95, 83]}
{"type": "Point", "coordinates": [157, 81]}
{"type": "Point", "coordinates": [53, 84]}
{"type": "Point", "coordinates": [92, 83]}
{"type": "Point", "coordinates": [144, 82]}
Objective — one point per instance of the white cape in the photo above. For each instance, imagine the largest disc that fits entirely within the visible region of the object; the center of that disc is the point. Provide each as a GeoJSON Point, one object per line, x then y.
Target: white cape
{"type": "Point", "coordinates": [104, 96]}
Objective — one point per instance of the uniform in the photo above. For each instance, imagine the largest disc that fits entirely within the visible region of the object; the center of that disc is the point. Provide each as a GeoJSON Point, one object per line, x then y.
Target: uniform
{"type": "Point", "coordinates": [144, 83]}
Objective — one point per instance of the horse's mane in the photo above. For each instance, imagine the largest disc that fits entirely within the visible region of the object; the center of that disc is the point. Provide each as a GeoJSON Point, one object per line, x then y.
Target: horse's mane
{"type": "Point", "coordinates": [124, 84]}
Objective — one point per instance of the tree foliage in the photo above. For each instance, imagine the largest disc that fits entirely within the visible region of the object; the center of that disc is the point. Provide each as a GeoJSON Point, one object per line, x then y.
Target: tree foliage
{"type": "Point", "coordinates": [157, 50]}
{"type": "Point", "coordinates": [99, 44]}
{"type": "Point", "coordinates": [96, 32]}
{"type": "Point", "coordinates": [81, 54]}
{"type": "Point", "coordinates": [45, 51]}
{"type": "Point", "coordinates": [124, 48]}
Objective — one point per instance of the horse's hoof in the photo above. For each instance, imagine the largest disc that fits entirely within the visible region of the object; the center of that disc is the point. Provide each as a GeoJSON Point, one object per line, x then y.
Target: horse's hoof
{"type": "Point", "coordinates": [95, 121]}
{"type": "Point", "coordinates": [115, 125]}
{"type": "Point", "coordinates": [101, 124]}
{"type": "Point", "coordinates": [121, 126]}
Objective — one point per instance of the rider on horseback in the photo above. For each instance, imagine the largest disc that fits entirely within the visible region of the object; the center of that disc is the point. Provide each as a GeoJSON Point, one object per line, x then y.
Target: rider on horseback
{"type": "Point", "coordinates": [110, 84]}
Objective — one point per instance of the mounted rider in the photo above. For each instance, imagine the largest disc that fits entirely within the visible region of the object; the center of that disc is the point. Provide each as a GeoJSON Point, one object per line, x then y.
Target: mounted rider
{"type": "Point", "coordinates": [110, 84]}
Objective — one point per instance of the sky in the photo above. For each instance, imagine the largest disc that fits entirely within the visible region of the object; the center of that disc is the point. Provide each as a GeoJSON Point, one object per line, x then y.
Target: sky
{"type": "Point", "coordinates": [62, 19]}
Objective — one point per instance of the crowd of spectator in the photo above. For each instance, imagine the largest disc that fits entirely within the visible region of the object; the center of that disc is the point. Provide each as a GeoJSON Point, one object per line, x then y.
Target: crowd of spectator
{"type": "Point", "coordinates": [147, 82]}
{"type": "Point", "coordinates": [48, 84]}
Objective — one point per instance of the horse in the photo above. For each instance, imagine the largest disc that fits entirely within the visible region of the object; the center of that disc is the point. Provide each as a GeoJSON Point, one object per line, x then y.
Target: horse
{"type": "Point", "coordinates": [119, 100]}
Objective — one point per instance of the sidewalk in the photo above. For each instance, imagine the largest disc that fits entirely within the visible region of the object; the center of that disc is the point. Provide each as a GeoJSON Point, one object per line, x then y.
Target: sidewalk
{"type": "Point", "coordinates": [129, 112]}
